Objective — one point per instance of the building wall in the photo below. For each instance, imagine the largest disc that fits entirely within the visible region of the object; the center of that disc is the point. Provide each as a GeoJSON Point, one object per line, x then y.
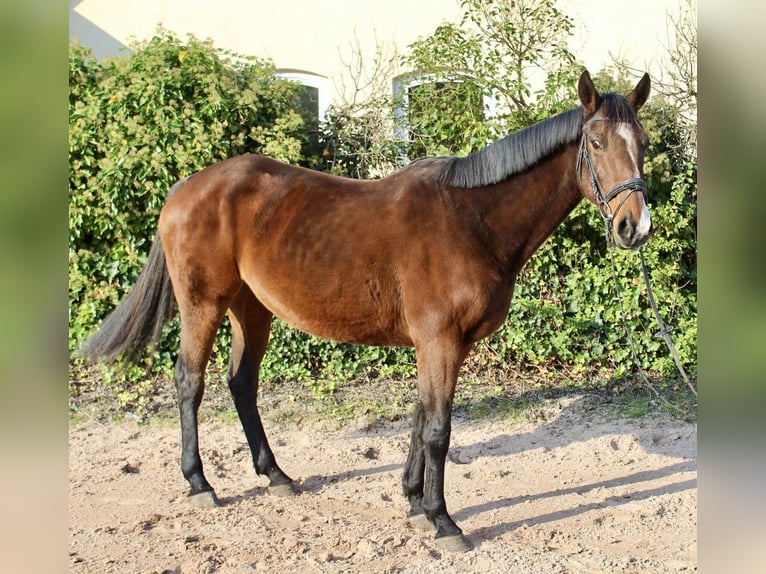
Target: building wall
{"type": "Point", "coordinates": [317, 37]}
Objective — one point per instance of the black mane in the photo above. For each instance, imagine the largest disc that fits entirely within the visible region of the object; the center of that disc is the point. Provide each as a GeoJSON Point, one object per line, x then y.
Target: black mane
{"type": "Point", "coordinates": [519, 151]}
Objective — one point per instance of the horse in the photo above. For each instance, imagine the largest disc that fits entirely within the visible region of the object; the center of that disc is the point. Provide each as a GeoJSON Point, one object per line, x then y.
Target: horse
{"type": "Point", "coordinates": [425, 257]}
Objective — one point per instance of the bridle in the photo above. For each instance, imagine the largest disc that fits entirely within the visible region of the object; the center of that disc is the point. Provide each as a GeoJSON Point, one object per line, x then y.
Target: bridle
{"type": "Point", "coordinates": [631, 185]}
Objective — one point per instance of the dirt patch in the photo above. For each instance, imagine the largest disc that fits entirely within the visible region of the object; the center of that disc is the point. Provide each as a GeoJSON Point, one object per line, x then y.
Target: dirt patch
{"type": "Point", "coordinates": [577, 493]}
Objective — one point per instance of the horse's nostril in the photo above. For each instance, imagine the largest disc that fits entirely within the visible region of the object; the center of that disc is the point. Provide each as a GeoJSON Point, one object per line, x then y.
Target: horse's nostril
{"type": "Point", "coordinates": [625, 228]}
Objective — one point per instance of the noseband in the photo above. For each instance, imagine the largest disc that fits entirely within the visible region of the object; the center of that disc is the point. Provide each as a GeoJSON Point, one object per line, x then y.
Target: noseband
{"type": "Point", "coordinates": [631, 185]}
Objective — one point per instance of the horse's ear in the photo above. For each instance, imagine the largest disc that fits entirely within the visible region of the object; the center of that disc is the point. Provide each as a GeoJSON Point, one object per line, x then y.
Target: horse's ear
{"type": "Point", "coordinates": [640, 93]}
{"type": "Point", "coordinates": [588, 93]}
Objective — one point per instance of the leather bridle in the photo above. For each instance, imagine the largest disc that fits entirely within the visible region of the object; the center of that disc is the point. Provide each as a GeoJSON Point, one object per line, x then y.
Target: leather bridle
{"type": "Point", "coordinates": [631, 185]}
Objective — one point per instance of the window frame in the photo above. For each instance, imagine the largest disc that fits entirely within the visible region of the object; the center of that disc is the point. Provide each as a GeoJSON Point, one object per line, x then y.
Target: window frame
{"type": "Point", "coordinates": [311, 80]}
{"type": "Point", "coordinates": [401, 86]}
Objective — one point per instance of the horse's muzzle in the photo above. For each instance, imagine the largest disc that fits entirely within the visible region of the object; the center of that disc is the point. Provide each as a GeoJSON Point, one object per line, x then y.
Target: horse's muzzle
{"type": "Point", "coordinates": [631, 234]}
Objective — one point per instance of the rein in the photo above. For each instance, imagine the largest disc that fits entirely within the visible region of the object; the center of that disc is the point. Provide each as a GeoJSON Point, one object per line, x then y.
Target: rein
{"type": "Point", "coordinates": [664, 331]}
{"type": "Point", "coordinates": [632, 185]}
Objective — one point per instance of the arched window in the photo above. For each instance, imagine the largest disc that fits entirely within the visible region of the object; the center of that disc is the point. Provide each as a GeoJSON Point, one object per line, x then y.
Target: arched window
{"type": "Point", "coordinates": [316, 96]}
{"type": "Point", "coordinates": [458, 102]}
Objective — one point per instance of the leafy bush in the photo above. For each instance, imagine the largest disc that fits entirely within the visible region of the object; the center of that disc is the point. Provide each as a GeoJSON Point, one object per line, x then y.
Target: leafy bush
{"type": "Point", "coordinates": [137, 125]}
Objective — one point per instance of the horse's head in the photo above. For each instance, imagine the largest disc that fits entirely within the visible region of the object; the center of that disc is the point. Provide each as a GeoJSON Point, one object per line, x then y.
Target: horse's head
{"type": "Point", "coordinates": [611, 160]}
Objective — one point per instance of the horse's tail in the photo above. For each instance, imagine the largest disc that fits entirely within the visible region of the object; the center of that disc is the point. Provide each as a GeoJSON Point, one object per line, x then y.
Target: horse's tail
{"type": "Point", "coordinates": [137, 322]}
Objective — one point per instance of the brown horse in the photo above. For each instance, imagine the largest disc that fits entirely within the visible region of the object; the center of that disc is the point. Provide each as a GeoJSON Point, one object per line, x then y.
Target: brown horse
{"type": "Point", "coordinates": [427, 257]}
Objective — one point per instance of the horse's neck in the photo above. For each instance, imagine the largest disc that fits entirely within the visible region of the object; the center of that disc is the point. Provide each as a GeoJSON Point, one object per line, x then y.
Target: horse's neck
{"type": "Point", "coordinates": [530, 206]}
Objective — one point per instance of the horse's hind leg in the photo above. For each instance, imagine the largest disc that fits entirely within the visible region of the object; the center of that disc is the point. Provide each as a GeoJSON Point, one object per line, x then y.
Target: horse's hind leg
{"type": "Point", "coordinates": [199, 324]}
{"type": "Point", "coordinates": [250, 324]}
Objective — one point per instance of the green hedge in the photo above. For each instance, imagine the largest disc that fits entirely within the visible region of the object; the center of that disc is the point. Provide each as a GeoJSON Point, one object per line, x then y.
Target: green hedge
{"type": "Point", "coordinates": [139, 123]}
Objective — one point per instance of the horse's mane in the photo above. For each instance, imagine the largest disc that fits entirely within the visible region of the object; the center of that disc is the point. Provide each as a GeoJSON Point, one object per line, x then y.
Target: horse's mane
{"type": "Point", "coordinates": [521, 150]}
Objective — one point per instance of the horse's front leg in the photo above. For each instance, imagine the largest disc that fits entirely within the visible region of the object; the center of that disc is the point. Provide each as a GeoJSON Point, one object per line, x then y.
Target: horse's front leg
{"type": "Point", "coordinates": [414, 469]}
{"type": "Point", "coordinates": [436, 439]}
{"type": "Point", "coordinates": [438, 366]}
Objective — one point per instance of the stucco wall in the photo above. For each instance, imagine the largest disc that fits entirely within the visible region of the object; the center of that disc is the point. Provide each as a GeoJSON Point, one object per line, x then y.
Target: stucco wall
{"type": "Point", "coordinates": [314, 36]}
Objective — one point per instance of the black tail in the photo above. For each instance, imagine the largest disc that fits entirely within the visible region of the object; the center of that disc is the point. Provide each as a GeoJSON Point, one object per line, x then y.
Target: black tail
{"type": "Point", "coordinates": [139, 319]}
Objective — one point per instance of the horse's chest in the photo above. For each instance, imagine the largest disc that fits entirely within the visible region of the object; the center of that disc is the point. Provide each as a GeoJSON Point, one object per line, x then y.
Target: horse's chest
{"type": "Point", "coordinates": [490, 313]}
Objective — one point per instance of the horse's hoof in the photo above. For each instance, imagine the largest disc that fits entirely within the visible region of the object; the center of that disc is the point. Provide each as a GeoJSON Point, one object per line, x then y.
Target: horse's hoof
{"type": "Point", "coordinates": [285, 490]}
{"type": "Point", "coordinates": [421, 522]}
{"type": "Point", "coordinates": [454, 543]}
{"type": "Point", "coordinates": [205, 499]}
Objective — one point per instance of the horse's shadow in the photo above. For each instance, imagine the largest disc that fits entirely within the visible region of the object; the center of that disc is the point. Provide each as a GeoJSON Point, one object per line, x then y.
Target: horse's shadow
{"type": "Point", "coordinates": [315, 483]}
{"type": "Point", "coordinates": [559, 432]}
{"type": "Point", "coordinates": [566, 429]}
{"type": "Point", "coordinates": [637, 478]}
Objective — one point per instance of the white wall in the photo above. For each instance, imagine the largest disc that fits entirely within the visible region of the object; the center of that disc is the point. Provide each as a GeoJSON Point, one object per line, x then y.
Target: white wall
{"type": "Point", "coordinates": [314, 36]}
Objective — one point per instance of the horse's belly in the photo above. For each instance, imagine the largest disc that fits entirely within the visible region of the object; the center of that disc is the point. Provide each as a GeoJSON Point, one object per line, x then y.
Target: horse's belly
{"type": "Point", "coordinates": [348, 314]}
{"type": "Point", "coordinates": [356, 333]}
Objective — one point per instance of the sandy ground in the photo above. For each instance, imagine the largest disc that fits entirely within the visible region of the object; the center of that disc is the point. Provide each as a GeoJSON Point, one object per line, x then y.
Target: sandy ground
{"type": "Point", "coordinates": [577, 493]}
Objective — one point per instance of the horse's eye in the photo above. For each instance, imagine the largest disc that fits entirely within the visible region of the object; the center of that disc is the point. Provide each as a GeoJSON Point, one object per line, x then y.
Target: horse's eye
{"type": "Point", "coordinates": [595, 143]}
